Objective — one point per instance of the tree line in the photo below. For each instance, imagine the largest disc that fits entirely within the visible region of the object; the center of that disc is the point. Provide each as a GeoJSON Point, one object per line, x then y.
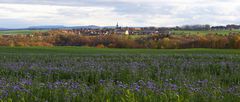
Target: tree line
{"type": "Point", "coordinates": [60, 38]}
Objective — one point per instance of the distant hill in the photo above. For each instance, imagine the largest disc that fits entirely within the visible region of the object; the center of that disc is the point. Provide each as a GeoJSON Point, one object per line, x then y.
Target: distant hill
{"type": "Point", "coordinates": [85, 27]}
{"type": "Point", "coordinates": [53, 27]}
{"type": "Point", "coordinates": [47, 27]}
{"type": "Point", "coordinates": [3, 29]}
{"type": "Point", "coordinates": [62, 27]}
{"type": "Point", "coordinates": [109, 27]}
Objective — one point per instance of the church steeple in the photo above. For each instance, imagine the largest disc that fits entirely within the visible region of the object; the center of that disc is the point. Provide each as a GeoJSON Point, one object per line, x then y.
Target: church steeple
{"type": "Point", "coordinates": [117, 26]}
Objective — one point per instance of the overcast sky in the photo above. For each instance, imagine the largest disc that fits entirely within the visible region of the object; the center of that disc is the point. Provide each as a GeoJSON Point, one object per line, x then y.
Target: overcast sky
{"type": "Point", "coordinates": [24, 13]}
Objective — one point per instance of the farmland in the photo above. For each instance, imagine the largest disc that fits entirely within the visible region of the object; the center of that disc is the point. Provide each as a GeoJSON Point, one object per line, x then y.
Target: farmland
{"type": "Point", "coordinates": [20, 31]}
{"type": "Point", "coordinates": [85, 74]}
{"type": "Point", "coordinates": [195, 32]}
{"type": "Point", "coordinates": [177, 32]}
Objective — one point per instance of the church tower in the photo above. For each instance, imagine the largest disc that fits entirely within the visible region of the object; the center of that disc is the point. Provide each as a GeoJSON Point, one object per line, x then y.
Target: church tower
{"type": "Point", "coordinates": [117, 26]}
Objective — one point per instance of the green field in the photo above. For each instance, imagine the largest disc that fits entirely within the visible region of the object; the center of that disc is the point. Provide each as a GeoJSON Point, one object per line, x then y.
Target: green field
{"type": "Point", "coordinates": [82, 74]}
{"type": "Point", "coordinates": [92, 51]}
{"type": "Point", "coordinates": [222, 32]}
{"type": "Point", "coordinates": [20, 31]}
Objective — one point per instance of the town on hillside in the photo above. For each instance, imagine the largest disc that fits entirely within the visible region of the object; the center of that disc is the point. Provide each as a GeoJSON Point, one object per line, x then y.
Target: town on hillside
{"type": "Point", "coordinates": [93, 30]}
{"type": "Point", "coordinates": [118, 30]}
{"type": "Point", "coordinates": [146, 30]}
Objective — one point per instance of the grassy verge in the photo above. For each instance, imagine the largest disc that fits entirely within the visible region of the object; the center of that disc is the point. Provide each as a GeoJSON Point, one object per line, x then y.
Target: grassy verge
{"type": "Point", "coordinates": [21, 31]}
{"type": "Point", "coordinates": [88, 50]}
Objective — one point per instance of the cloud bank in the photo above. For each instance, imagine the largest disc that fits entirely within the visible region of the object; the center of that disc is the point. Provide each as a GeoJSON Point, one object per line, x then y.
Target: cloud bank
{"type": "Point", "coordinates": [15, 13]}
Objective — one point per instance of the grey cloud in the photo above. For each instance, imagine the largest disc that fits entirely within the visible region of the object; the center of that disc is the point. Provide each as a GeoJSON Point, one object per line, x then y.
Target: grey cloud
{"type": "Point", "coordinates": [73, 13]}
{"type": "Point", "coordinates": [14, 23]}
{"type": "Point", "coordinates": [144, 9]}
{"type": "Point", "coordinates": [201, 11]}
{"type": "Point", "coordinates": [67, 2]}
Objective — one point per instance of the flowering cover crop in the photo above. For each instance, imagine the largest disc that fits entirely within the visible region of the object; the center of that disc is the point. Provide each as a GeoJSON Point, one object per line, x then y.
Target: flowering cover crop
{"type": "Point", "coordinates": [121, 77]}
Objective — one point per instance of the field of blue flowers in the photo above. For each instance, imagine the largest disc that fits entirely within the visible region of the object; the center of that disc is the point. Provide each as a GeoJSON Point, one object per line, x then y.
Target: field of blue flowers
{"type": "Point", "coordinates": [118, 76]}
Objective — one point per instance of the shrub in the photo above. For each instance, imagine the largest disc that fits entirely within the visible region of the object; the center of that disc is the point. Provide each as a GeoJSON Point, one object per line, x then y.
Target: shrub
{"type": "Point", "coordinates": [100, 46]}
